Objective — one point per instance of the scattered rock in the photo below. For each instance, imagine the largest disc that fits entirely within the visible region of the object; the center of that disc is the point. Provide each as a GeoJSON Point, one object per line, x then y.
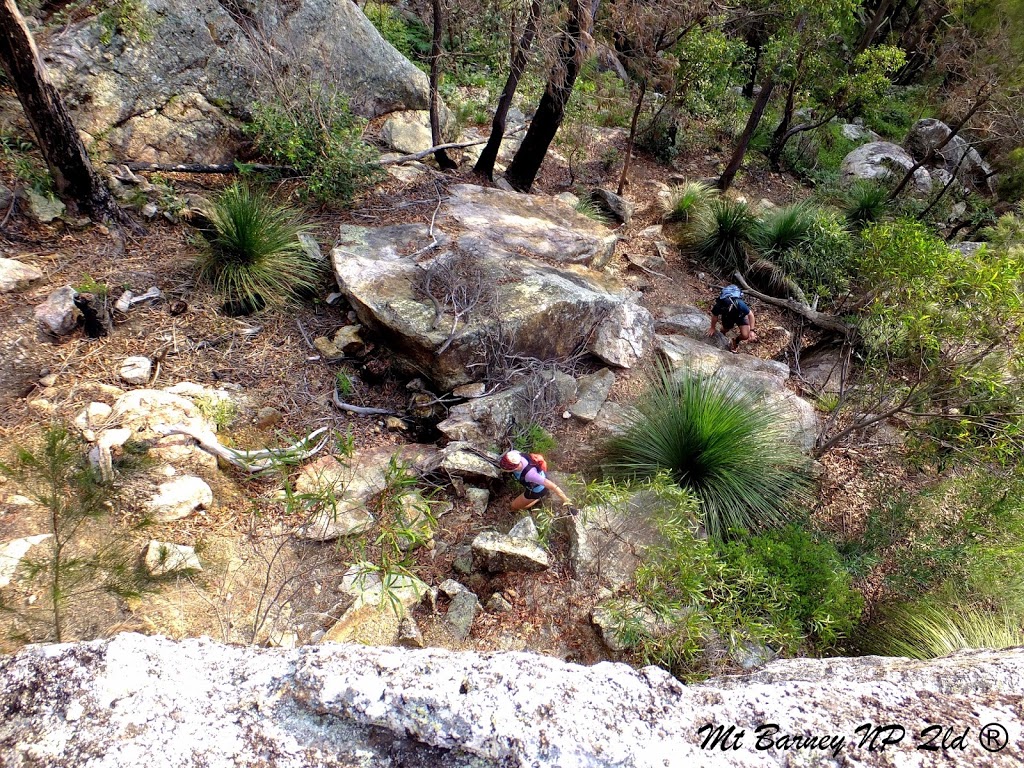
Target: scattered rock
{"type": "Point", "coordinates": [463, 463]}
{"type": "Point", "coordinates": [684, 319]}
{"type": "Point", "coordinates": [968, 248]}
{"type": "Point", "coordinates": [267, 417]}
{"type": "Point", "coordinates": [312, 249]}
{"type": "Point", "coordinates": [163, 558]}
{"type": "Point", "coordinates": [59, 315]}
{"type": "Point", "coordinates": [12, 552]}
{"type": "Point", "coordinates": [451, 587]}
{"type": "Point", "coordinates": [854, 132]}
{"type": "Point", "coordinates": [568, 198]}
{"type": "Point", "coordinates": [15, 276]}
{"type": "Point", "coordinates": [498, 604]}
{"type": "Point", "coordinates": [591, 394]}
{"type": "Point", "coordinates": [463, 610]}
{"type": "Point", "coordinates": [407, 132]}
{"type": "Point", "coordinates": [478, 499]}
{"type": "Point", "coordinates": [43, 208]}
{"type": "Point", "coordinates": [348, 340]}
{"type": "Point", "coordinates": [136, 370]}
{"type": "Point", "coordinates": [611, 204]}
{"type": "Point", "coordinates": [496, 553]}
{"type": "Point", "coordinates": [883, 161]}
{"type": "Point", "coordinates": [624, 336]}
{"type": "Point", "coordinates": [409, 635]}
{"type": "Point", "coordinates": [525, 529]}
{"type": "Point", "coordinates": [377, 608]}
{"type": "Point", "coordinates": [956, 156]}
{"type": "Point", "coordinates": [395, 424]}
{"type": "Point", "coordinates": [470, 391]}
{"type": "Point", "coordinates": [179, 498]}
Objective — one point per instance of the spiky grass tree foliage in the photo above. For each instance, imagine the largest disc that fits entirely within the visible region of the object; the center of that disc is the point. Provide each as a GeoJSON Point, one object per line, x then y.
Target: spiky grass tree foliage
{"type": "Point", "coordinates": [253, 257]}
{"type": "Point", "coordinates": [719, 441]}
{"type": "Point", "coordinates": [689, 201]}
{"type": "Point", "coordinates": [785, 229]}
{"type": "Point", "coordinates": [930, 629]}
{"type": "Point", "coordinates": [722, 237]}
{"type": "Point", "coordinates": [866, 202]}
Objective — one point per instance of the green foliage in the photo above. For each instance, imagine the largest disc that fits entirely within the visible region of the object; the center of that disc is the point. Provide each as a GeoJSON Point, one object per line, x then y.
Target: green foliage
{"type": "Point", "coordinates": [85, 555]}
{"type": "Point", "coordinates": [897, 110]}
{"type": "Point", "coordinates": [784, 229]}
{"type": "Point", "coordinates": [405, 32]}
{"type": "Point", "coordinates": [221, 411]}
{"type": "Point", "coordinates": [591, 210]}
{"type": "Point", "coordinates": [659, 137]}
{"type": "Point", "coordinates": [343, 383]}
{"type": "Point", "coordinates": [722, 237]}
{"type": "Point", "coordinates": [318, 136]}
{"type": "Point", "coordinates": [88, 285]}
{"type": "Point", "coordinates": [129, 18]}
{"type": "Point", "coordinates": [866, 202]}
{"type": "Point", "coordinates": [701, 600]}
{"type": "Point", "coordinates": [1007, 231]}
{"type": "Point", "coordinates": [720, 442]}
{"type": "Point", "coordinates": [1011, 179]}
{"type": "Point", "coordinates": [19, 155]}
{"type": "Point", "coordinates": [818, 155]}
{"type": "Point", "coordinates": [929, 629]}
{"type": "Point", "coordinates": [689, 202]}
{"type": "Point", "coordinates": [706, 58]}
{"type": "Point", "coordinates": [533, 438]}
{"type": "Point", "coordinates": [254, 257]}
{"type": "Point", "coordinates": [822, 263]}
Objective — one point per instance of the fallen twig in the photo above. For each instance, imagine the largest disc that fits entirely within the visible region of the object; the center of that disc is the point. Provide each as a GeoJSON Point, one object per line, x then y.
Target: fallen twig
{"type": "Point", "coordinates": [359, 410]}
{"type": "Point", "coordinates": [250, 461]}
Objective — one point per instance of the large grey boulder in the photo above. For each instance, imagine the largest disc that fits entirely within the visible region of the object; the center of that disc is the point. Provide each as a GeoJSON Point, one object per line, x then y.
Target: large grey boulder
{"type": "Point", "coordinates": [764, 379]}
{"type": "Point", "coordinates": [194, 702]}
{"type": "Point", "coordinates": [592, 393]}
{"type": "Point", "coordinates": [181, 95]}
{"type": "Point", "coordinates": [624, 337]}
{"type": "Point", "coordinates": [883, 161]}
{"type": "Point", "coordinates": [957, 156]}
{"type": "Point", "coordinates": [442, 312]}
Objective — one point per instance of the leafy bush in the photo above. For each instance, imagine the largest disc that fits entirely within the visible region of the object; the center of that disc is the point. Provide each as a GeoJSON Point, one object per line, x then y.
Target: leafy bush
{"type": "Point", "coordinates": [1011, 179]}
{"type": "Point", "coordinates": [818, 155]}
{"type": "Point", "coordinates": [317, 135]}
{"type": "Point", "coordinates": [658, 138]}
{"type": "Point", "coordinates": [533, 438]}
{"type": "Point", "coordinates": [723, 236]}
{"type": "Point", "coordinates": [254, 257]}
{"type": "Point", "coordinates": [720, 442]}
{"type": "Point", "coordinates": [406, 33]}
{"type": "Point", "coordinates": [822, 263]}
{"type": "Point", "coordinates": [783, 229]}
{"type": "Point", "coordinates": [689, 202]}
{"type": "Point", "coordinates": [866, 202]}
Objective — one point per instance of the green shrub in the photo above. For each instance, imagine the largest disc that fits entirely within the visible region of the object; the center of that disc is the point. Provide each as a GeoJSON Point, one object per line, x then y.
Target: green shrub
{"type": "Point", "coordinates": [720, 442]}
{"type": "Point", "coordinates": [689, 202]}
{"type": "Point", "coordinates": [590, 209]}
{"type": "Point", "coordinates": [783, 229]}
{"type": "Point", "coordinates": [1011, 178]}
{"type": "Point", "coordinates": [932, 628]}
{"type": "Point", "coordinates": [658, 138]}
{"type": "Point", "coordinates": [866, 202]}
{"type": "Point", "coordinates": [723, 236]}
{"type": "Point", "coordinates": [318, 137]}
{"type": "Point", "coordinates": [254, 257]}
{"type": "Point", "coordinates": [131, 18]}
{"type": "Point", "coordinates": [822, 263]}
{"type": "Point", "coordinates": [406, 33]}
{"type": "Point", "coordinates": [533, 438]}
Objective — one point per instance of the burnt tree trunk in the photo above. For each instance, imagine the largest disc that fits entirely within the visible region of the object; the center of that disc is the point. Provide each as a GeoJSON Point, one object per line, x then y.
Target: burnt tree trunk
{"type": "Point", "coordinates": [62, 148]}
{"type": "Point", "coordinates": [632, 137]}
{"type": "Point", "coordinates": [781, 135]}
{"type": "Point", "coordinates": [485, 164]}
{"type": "Point", "coordinates": [760, 103]}
{"type": "Point", "coordinates": [546, 121]}
{"type": "Point", "coordinates": [444, 162]}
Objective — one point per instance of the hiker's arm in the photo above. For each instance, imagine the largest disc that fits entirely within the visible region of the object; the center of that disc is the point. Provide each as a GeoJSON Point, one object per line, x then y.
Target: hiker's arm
{"type": "Point", "coordinates": [556, 490]}
{"type": "Point", "coordinates": [714, 325]}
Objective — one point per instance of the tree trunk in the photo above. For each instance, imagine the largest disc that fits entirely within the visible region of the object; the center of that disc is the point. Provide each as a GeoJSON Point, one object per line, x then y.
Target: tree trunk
{"type": "Point", "coordinates": [760, 103]}
{"type": "Point", "coordinates": [485, 164]}
{"type": "Point", "coordinates": [632, 136]}
{"type": "Point", "coordinates": [546, 121]}
{"type": "Point", "coordinates": [872, 27]}
{"type": "Point", "coordinates": [781, 135]}
{"type": "Point", "coordinates": [444, 162]}
{"type": "Point", "coordinates": [56, 135]}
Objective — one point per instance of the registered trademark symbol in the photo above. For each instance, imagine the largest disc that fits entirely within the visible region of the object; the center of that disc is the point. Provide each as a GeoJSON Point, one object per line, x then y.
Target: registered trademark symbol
{"type": "Point", "coordinates": [993, 737]}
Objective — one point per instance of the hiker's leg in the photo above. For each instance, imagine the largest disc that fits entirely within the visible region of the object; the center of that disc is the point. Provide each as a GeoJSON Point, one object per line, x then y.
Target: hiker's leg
{"type": "Point", "coordinates": [744, 335]}
{"type": "Point", "coordinates": [521, 502]}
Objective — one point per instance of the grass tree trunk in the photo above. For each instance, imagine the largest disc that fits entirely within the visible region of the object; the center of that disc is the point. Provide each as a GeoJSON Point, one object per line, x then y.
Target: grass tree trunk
{"type": "Point", "coordinates": [444, 162]}
{"type": "Point", "coordinates": [62, 148]}
{"type": "Point", "coordinates": [760, 104]}
{"type": "Point", "coordinates": [546, 121]}
{"type": "Point", "coordinates": [632, 136]}
{"type": "Point", "coordinates": [485, 164]}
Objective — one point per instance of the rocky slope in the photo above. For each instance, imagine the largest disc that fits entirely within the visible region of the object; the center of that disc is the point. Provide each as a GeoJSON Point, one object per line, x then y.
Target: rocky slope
{"type": "Point", "coordinates": [133, 699]}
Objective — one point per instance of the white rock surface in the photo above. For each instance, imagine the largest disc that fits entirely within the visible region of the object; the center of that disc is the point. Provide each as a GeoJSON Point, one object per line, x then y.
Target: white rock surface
{"type": "Point", "coordinates": [136, 370]}
{"type": "Point", "coordinates": [179, 498]}
{"type": "Point", "coordinates": [124, 701]}
{"type": "Point", "coordinates": [624, 337]}
{"type": "Point", "coordinates": [15, 276]}
{"type": "Point", "coordinates": [162, 558]}
{"type": "Point", "coordinates": [12, 552]}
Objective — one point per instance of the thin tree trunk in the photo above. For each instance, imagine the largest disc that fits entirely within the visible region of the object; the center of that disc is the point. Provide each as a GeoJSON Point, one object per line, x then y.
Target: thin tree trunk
{"type": "Point", "coordinates": [872, 27]}
{"type": "Point", "coordinates": [548, 118]}
{"type": "Point", "coordinates": [485, 164]}
{"type": "Point", "coordinates": [632, 137]}
{"type": "Point", "coordinates": [781, 135]}
{"type": "Point", "coordinates": [760, 103]}
{"type": "Point", "coordinates": [444, 162]}
{"type": "Point", "coordinates": [56, 135]}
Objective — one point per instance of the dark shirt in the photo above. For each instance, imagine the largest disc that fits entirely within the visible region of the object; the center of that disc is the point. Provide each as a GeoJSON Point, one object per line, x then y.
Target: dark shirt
{"type": "Point", "coordinates": [731, 310]}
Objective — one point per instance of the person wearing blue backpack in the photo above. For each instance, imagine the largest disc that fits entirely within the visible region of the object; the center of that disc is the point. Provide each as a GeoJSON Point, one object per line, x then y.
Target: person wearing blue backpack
{"type": "Point", "coordinates": [732, 311]}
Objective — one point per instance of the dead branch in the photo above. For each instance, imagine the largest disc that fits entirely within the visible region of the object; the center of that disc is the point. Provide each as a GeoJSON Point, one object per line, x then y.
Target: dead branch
{"type": "Point", "coordinates": [250, 461]}
{"type": "Point", "coordinates": [359, 410]}
{"type": "Point", "coordinates": [440, 148]}
{"type": "Point", "coordinates": [820, 319]}
{"type": "Point", "coordinates": [205, 167]}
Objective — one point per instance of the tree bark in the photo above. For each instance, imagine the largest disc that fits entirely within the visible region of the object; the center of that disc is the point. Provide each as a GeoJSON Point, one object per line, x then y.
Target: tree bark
{"type": "Point", "coordinates": [546, 121]}
{"type": "Point", "coordinates": [872, 27]}
{"type": "Point", "coordinates": [781, 135]}
{"type": "Point", "coordinates": [760, 103]}
{"type": "Point", "coordinates": [444, 162]}
{"type": "Point", "coordinates": [632, 136]}
{"type": "Point", "coordinates": [62, 148]}
{"type": "Point", "coordinates": [485, 164]}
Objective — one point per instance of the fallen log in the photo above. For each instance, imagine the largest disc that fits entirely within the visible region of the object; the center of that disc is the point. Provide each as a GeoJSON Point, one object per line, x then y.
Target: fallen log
{"type": "Point", "coordinates": [820, 319]}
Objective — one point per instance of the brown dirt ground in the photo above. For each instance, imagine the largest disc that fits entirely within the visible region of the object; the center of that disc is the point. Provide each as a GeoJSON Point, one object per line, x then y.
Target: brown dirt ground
{"type": "Point", "coordinates": [276, 367]}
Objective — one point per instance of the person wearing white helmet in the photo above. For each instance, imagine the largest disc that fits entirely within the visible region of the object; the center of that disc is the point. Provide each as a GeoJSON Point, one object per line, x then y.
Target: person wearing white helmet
{"type": "Point", "coordinates": [529, 470]}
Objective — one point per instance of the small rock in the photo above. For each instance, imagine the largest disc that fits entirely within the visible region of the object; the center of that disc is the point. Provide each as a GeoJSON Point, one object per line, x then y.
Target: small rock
{"type": "Point", "coordinates": [476, 389]}
{"type": "Point", "coordinates": [525, 529]}
{"type": "Point", "coordinates": [620, 209]}
{"type": "Point", "coordinates": [463, 562]}
{"type": "Point", "coordinates": [348, 340]}
{"type": "Point", "coordinates": [409, 635]}
{"type": "Point", "coordinates": [593, 391]}
{"type": "Point", "coordinates": [150, 211]}
{"type": "Point", "coordinates": [312, 250]}
{"type": "Point", "coordinates": [96, 414]}
{"type": "Point", "coordinates": [327, 348]}
{"type": "Point", "coordinates": [124, 302]}
{"type": "Point", "coordinates": [497, 553]}
{"type": "Point", "coordinates": [43, 406]}
{"type": "Point", "coordinates": [179, 498]}
{"type": "Point", "coordinates": [568, 198]}
{"type": "Point", "coordinates": [478, 499]}
{"type": "Point", "coordinates": [15, 276]}
{"type": "Point", "coordinates": [59, 315]}
{"type": "Point", "coordinates": [12, 552]}
{"type": "Point", "coordinates": [498, 604]}
{"type": "Point", "coordinates": [267, 417]}
{"type": "Point", "coordinates": [136, 370]}
{"type": "Point", "coordinates": [163, 558]}
{"type": "Point", "coordinates": [43, 208]}
{"type": "Point", "coordinates": [395, 424]}
{"type": "Point", "coordinates": [463, 610]}
{"type": "Point", "coordinates": [48, 380]}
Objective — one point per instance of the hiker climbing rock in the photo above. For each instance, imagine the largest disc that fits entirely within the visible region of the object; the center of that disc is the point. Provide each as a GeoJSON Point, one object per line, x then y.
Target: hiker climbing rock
{"type": "Point", "coordinates": [530, 469]}
{"type": "Point", "coordinates": [733, 311]}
